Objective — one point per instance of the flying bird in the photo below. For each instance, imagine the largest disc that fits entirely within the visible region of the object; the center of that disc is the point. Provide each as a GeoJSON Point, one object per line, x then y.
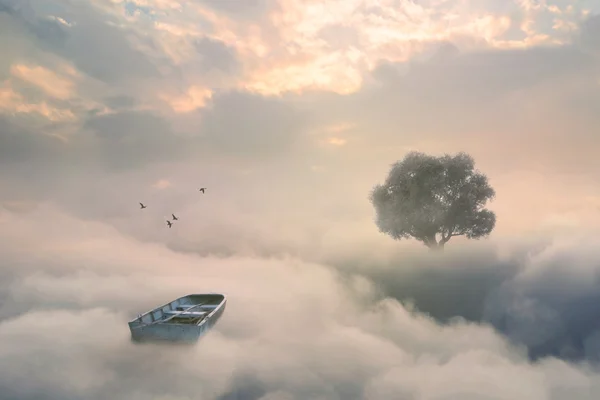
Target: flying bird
{"type": "Point", "coordinates": [202, 189]}
{"type": "Point", "coordinates": [142, 206]}
{"type": "Point", "coordinates": [174, 217]}
{"type": "Point", "coordinates": [169, 223]}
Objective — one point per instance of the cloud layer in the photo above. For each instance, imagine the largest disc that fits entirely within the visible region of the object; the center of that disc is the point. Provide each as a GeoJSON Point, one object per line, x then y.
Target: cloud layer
{"type": "Point", "coordinates": [292, 328]}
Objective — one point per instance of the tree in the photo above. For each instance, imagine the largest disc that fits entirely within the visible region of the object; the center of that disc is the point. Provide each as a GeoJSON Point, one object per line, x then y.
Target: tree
{"type": "Point", "coordinates": [426, 196]}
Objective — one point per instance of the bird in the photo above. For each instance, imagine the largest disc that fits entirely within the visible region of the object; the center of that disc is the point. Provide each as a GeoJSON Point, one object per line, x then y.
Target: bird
{"type": "Point", "coordinates": [142, 206]}
{"type": "Point", "coordinates": [202, 189]}
{"type": "Point", "coordinates": [174, 217]}
{"type": "Point", "coordinates": [169, 223]}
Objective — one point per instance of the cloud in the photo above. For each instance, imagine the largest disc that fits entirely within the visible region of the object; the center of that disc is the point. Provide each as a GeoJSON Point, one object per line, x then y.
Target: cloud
{"type": "Point", "coordinates": [471, 94]}
{"type": "Point", "coordinates": [251, 9]}
{"type": "Point", "coordinates": [162, 184]}
{"type": "Point", "coordinates": [132, 138]}
{"type": "Point", "coordinates": [87, 274]}
{"type": "Point", "coordinates": [22, 148]}
{"type": "Point", "coordinates": [119, 103]}
{"type": "Point", "coordinates": [94, 45]}
{"type": "Point", "coordinates": [217, 55]}
{"type": "Point", "coordinates": [12, 102]}
{"type": "Point", "coordinates": [46, 80]}
{"type": "Point", "coordinates": [245, 124]}
{"type": "Point", "coordinates": [589, 34]}
{"type": "Point", "coordinates": [541, 296]}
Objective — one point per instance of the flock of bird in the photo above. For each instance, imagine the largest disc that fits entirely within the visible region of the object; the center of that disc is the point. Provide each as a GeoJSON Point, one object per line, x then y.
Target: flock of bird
{"type": "Point", "coordinates": [170, 223]}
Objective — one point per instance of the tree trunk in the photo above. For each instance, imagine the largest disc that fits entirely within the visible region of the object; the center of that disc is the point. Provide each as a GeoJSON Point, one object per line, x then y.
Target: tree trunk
{"type": "Point", "coordinates": [432, 243]}
{"type": "Point", "coordinates": [443, 240]}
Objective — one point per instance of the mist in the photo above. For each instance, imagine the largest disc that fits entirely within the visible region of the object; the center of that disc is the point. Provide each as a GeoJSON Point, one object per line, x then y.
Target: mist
{"type": "Point", "coordinates": [414, 325]}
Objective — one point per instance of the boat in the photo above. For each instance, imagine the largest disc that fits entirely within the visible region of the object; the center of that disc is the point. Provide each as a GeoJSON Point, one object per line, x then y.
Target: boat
{"type": "Point", "coordinates": [183, 320]}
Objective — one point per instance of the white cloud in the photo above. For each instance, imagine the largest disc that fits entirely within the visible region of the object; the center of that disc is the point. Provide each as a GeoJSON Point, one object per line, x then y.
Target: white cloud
{"type": "Point", "coordinates": [84, 281]}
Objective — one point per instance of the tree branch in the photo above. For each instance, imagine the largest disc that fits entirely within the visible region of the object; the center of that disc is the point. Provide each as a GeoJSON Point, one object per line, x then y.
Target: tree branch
{"type": "Point", "coordinates": [445, 239]}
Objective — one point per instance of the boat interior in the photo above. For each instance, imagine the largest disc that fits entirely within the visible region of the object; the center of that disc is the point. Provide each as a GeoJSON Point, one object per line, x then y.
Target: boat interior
{"type": "Point", "coordinates": [188, 310]}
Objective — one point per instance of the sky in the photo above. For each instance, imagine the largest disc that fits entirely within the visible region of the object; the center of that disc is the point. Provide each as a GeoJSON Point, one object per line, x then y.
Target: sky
{"type": "Point", "coordinates": [289, 112]}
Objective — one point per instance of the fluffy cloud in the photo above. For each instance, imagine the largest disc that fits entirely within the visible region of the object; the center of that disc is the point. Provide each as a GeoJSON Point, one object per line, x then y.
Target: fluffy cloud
{"type": "Point", "coordinates": [84, 37]}
{"type": "Point", "coordinates": [69, 301]}
{"type": "Point", "coordinates": [541, 296]}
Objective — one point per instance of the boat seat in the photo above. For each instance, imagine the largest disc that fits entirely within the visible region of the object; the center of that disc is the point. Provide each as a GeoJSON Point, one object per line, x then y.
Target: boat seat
{"type": "Point", "coordinates": [186, 313]}
{"type": "Point", "coordinates": [197, 307]}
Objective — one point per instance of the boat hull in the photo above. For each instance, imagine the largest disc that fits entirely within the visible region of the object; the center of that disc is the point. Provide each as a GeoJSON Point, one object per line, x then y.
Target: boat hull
{"type": "Point", "coordinates": [172, 323]}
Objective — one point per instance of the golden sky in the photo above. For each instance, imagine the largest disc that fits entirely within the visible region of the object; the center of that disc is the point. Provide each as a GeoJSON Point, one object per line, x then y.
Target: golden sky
{"type": "Point", "coordinates": [316, 95]}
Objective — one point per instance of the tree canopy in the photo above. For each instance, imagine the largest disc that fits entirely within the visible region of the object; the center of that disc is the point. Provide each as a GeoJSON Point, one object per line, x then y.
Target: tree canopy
{"type": "Point", "coordinates": [426, 196]}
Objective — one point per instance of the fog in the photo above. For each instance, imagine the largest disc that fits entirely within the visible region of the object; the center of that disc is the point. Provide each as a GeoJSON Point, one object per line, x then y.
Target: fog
{"type": "Point", "coordinates": [293, 328]}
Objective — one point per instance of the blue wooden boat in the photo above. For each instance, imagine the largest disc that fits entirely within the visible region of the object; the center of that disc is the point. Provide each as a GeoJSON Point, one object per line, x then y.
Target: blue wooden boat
{"type": "Point", "coordinates": [183, 320]}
